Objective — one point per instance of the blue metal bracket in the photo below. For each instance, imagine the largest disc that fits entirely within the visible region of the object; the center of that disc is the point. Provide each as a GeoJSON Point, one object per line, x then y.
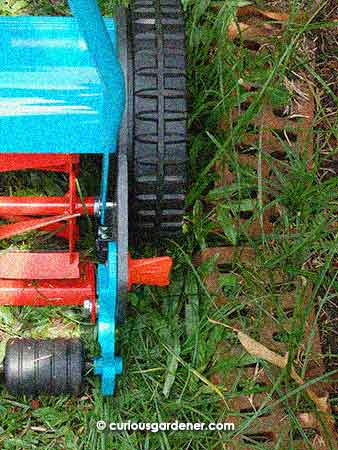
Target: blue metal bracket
{"type": "Point", "coordinates": [104, 56]}
{"type": "Point", "coordinates": [107, 365]}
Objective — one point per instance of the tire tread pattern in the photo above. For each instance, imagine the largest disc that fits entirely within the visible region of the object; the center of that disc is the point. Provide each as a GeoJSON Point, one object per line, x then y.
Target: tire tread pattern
{"type": "Point", "coordinates": [160, 112]}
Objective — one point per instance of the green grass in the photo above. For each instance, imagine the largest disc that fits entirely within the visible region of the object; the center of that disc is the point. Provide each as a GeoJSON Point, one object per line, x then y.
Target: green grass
{"type": "Point", "coordinates": [171, 350]}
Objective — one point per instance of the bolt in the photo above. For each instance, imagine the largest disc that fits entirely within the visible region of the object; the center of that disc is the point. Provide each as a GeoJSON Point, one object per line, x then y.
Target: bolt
{"type": "Point", "coordinates": [98, 207]}
{"type": "Point", "coordinates": [87, 308]}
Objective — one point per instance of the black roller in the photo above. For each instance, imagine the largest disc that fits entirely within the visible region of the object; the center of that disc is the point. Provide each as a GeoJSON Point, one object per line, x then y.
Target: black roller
{"type": "Point", "coordinates": [53, 366]}
{"type": "Point", "coordinates": [156, 130]}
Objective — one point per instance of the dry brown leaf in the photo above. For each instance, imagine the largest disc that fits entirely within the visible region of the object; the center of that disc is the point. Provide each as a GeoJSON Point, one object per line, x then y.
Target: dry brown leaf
{"type": "Point", "coordinates": [259, 350]}
{"type": "Point", "coordinates": [251, 10]}
{"type": "Point", "coordinates": [237, 28]}
{"type": "Point", "coordinates": [256, 26]}
{"type": "Point", "coordinates": [248, 31]}
{"type": "Point", "coordinates": [254, 11]}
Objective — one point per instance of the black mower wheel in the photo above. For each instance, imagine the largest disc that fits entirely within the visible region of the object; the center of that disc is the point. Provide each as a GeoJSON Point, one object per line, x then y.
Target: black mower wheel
{"type": "Point", "coordinates": [156, 117]}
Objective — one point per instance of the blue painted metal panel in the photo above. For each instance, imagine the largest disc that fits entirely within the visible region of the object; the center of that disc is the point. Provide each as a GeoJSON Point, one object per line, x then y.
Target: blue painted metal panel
{"type": "Point", "coordinates": [52, 96]}
{"type": "Point", "coordinates": [104, 56]}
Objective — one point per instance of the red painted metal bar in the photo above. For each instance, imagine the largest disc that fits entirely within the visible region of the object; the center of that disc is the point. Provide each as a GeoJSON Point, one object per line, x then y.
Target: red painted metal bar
{"type": "Point", "coordinates": [51, 162]}
{"type": "Point", "coordinates": [14, 229]}
{"type": "Point", "coordinates": [60, 229]}
{"type": "Point", "coordinates": [38, 266]}
{"type": "Point", "coordinates": [43, 206]}
{"type": "Point", "coordinates": [50, 292]}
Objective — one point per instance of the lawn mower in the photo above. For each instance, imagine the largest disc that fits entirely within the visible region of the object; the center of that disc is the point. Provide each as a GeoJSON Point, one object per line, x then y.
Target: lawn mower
{"type": "Point", "coordinates": [110, 87]}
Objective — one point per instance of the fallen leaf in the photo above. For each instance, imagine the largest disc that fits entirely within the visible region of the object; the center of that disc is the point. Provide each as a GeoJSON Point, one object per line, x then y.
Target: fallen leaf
{"type": "Point", "coordinates": [256, 26]}
{"type": "Point", "coordinates": [260, 351]}
{"type": "Point", "coordinates": [237, 28]}
{"type": "Point", "coordinates": [248, 31]}
{"type": "Point", "coordinates": [254, 11]}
